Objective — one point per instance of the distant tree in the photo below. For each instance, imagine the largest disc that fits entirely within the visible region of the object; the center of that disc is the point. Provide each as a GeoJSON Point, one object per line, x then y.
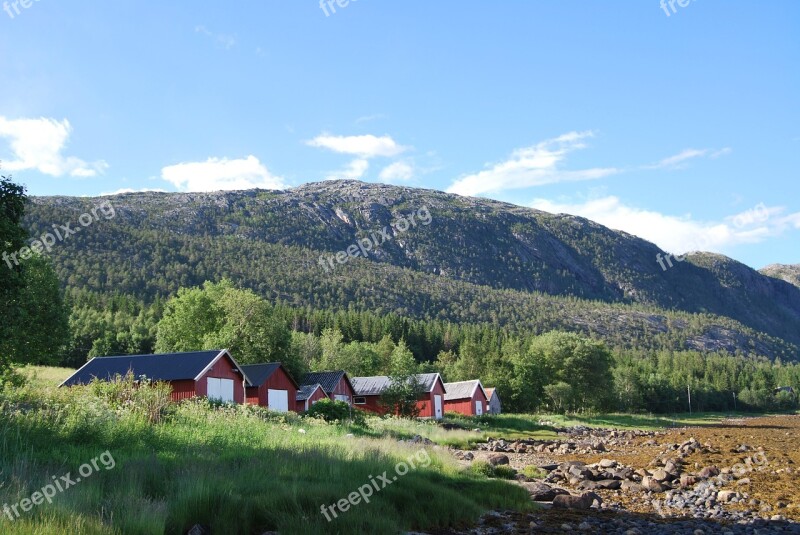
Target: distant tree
{"type": "Point", "coordinates": [560, 394]}
{"type": "Point", "coordinates": [12, 239]}
{"type": "Point", "coordinates": [400, 398]}
{"type": "Point", "coordinates": [219, 316]}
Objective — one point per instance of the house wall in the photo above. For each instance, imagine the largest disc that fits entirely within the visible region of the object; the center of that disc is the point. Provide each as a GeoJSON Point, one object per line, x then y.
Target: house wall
{"type": "Point", "coordinates": [494, 405]}
{"type": "Point", "coordinates": [222, 369]}
{"type": "Point", "coordinates": [426, 404]}
{"type": "Point", "coordinates": [373, 405]}
{"type": "Point", "coordinates": [466, 406]}
{"type": "Point", "coordinates": [182, 390]}
{"type": "Point", "coordinates": [343, 388]}
{"type": "Point", "coordinates": [318, 395]}
{"type": "Point", "coordinates": [277, 381]}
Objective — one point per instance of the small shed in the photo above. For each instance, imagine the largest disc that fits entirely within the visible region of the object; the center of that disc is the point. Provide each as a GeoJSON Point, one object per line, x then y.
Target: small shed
{"type": "Point", "coordinates": [308, 395]}
{"type": "Point", "coordinates": [271, 386]}
{"type": "Point", "coordinates": [494, 406]}
{"type": "Point", "coordinates": [465, 397]}
{"type": "Point", "coordinates": [430, 403]}
{"type": "Point", "coordinates": [213, 374]}
{"type": "Point", "coordinates": [336, 384]}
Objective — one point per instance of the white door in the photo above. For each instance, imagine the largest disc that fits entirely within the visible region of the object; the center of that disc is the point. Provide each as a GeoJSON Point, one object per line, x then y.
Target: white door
{"type": "Point", "coordinates": [221, 389]}
{"type": "Point", "coordinates": [278, 400]}
{"type": "Point", "coordinates": [478, 408]}
{"type": "Point", "coordinates": [213, 388]}
{"type": "Point", "coordinates": [437, 407]}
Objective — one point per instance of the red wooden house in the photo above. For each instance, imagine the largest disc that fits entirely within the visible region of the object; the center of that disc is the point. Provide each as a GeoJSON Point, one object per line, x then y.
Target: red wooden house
{"type": "Point", "coordinates": [466, 397]}
{"type": "Point", "coordinates": [213, 374]}
{"type": "Point", "coordinates": [430, 403]}
{"type": "Point", "coordinates": [335, 384]}
{"type": "Point", "coordinates": [271, 386]}
{"type": "Point", "coordinates": [308, 395]}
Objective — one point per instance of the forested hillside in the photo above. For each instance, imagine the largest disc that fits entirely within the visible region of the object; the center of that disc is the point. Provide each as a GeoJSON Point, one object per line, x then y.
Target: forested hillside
{"type": "Point", "coordinates": [475, 261]}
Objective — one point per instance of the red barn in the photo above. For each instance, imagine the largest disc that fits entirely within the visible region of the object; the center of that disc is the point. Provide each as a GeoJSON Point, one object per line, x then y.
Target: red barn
{"type": "Point", "coordinates": [430, 403]}
{"type": "Point", "coordinates": [212, 374]}
{"type": "Point", "coordinates": [465, 397]}
{"type": "Point", "coordinates": [271, 386]}
{"type": "Point", "coordinates": [335, 384]}
{"type": "Point", "coordinates": [308, 395]}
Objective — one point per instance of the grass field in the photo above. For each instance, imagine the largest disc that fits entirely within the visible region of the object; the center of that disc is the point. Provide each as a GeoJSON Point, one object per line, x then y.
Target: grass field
{"type": "Point", "coordinates": [235, 469]}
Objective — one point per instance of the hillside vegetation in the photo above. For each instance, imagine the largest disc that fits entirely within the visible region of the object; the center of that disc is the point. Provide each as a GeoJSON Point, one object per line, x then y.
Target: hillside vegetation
{"type": "Point", "coordinates": [477, 261]}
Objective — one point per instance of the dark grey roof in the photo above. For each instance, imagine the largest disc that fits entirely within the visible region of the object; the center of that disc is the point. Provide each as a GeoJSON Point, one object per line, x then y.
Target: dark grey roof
{"type": "Point", "coordinates": [462, 390]}
{"type": "Point", "coordinates": [305, 391]}
{"type": "Point", "coordinates": [375, 385]}
{"type": "Point", "coordinates": [164, 367]}
{"type": "Point", "coordinates": [259, 373]}
{"type": "Point", "coordinates": [328, 380]}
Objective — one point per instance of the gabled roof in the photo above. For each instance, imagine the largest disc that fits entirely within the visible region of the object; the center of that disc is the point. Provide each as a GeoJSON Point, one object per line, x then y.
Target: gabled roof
{"type": "Point", "coordinates": [375, 385]}
{"type": "Point", "coordinates": [491, 392]}
{"type": "Point", "coordinates": [259, 373]}
{"type": "Point", "coordinates": [305, 392]}
{"type": "Point", "coordinates": [328, 380]}
{"type": "Point", "coordinates": [163, 367]}
{"type": "Point", "coordinates": [462, 390]}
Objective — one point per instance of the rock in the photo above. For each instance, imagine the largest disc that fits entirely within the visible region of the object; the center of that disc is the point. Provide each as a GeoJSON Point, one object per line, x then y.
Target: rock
{"type": "Point", "coordinates": [743, 481]}
{"type": "Point", "coordinates": [688, 481]}
{"type": "Point", "coordinates": [709, 471]}
{"type": "Point", "coordinates": [631, 486]}
{"type": "Point", "coordinates": [607, 463]}
{"type": "Point", "coordinates": [660, 476]}
{"type": "Point", "coordinates": [541, 492]}
{"type": "Point", "coordinates": [496, 459]}
{"type": "Point", "coordinates": [725, 496]}
{"type": "Point", "coordinates": [468, 456]}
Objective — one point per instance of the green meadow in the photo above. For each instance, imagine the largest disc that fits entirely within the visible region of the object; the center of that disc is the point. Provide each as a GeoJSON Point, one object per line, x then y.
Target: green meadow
{"type": "Point", "coordinates": [233, 469]}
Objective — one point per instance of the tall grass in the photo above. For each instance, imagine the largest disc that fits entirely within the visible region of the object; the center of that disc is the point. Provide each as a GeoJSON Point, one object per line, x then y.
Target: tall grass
{"type": "Point", "coordinates": [234, 469]}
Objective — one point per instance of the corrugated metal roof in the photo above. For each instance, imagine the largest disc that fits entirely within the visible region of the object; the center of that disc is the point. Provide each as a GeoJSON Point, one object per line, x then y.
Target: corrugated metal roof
{"type": "Point", "coordinates": [375, 385]}
{"type": "Point", "coordinates": [328, 380]}
{"type": "Point", "coordinates": [461, 390]}
{"type": "Point", "coordinates": [259, 373]}
{"type": "Point", "coordinates": [371, 386]}
{"type": "Point", "coordinates": [306, 391]}
{"type": "Point", "coordinates": [163, 367]}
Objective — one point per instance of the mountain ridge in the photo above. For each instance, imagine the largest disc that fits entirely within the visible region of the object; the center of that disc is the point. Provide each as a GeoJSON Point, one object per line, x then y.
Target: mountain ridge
{"type": "Point", "coordinates": [494, 246]}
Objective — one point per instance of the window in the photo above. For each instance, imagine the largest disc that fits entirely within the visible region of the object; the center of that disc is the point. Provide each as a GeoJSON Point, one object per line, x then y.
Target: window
{"type": "Point", "coordinates": [360, 401]}
{"type": "Point", "coordinates": [340, 397]}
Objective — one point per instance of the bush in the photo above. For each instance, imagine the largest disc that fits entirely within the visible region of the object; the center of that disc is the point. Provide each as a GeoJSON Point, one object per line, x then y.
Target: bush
{"type": "Point", "coordinates": [336, 411]}
{"type": "Point", "coordinates": [503, 471]}
{"type": "Point", "coordinates": [534, 472]}
{"type": "Point", "coordinates": [152, 400]}
{"type": "Point", "coordinates": [483, 468]}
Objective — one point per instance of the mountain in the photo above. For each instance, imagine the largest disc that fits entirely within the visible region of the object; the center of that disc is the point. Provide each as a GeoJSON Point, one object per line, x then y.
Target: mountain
{"type": "Point", "coordinates": [471, 261]}
{"type": "Point", "coordinates": [788, 273]}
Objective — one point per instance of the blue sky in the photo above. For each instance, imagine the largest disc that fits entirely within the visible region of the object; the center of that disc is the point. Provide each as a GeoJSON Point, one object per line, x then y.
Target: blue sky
{"type": "Point", "coordinates": [683, 129]}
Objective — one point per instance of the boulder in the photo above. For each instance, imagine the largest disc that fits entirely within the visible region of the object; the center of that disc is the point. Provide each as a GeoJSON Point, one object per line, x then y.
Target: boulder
{"type": "Point", "coordinates": [496, 459]}
{"type": "Point", "coordinates": [541, 492]}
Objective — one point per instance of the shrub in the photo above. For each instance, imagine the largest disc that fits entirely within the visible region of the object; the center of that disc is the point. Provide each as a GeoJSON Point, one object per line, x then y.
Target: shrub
{"type": "Point", "coordinates": [503, 471]}
{"type": "Point", "coordinates": [482, 468]}
{"type": "Point", "coordinates": [534, 472]}
{"type": "Point", "coordinates": [336, 411]}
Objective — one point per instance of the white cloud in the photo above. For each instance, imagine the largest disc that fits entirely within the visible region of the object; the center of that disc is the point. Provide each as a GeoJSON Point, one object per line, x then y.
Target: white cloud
{"type": "Point", "coordinates": [355, 170]}
{"type": "Point", "coordinates": [130, 190]}
{"type": "Point", "coordinates": [679, 160]}
{"type": "Point", "coordinates": [365, 147]}
{"type": "Point", "coordinates": [38, 144]}
{"type": "Point", "coordinates": [531, 166]}
{"type": "Point", "coordinates": [680, 233]}
{"type": "Point", "coordinates": [221, 174]}
{"type": "Point", "coordinates": [223, 40]}
{"type": "Point", "coordinates": [397, 171]}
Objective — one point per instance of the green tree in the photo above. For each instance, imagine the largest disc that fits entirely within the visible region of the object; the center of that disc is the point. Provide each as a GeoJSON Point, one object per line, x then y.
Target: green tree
{"type": "Point", "coordinates": [12, 239]}
{"type": "Point", "coordinates": [221, 316]}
